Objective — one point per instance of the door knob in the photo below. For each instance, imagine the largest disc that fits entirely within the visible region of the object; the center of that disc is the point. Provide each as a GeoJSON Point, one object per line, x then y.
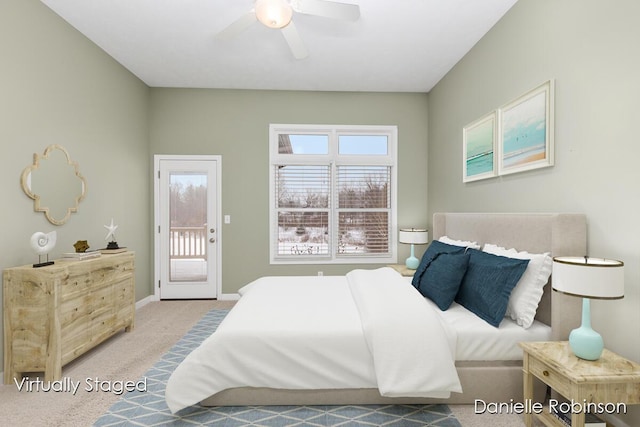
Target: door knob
{"type": "Point", "coordinates": [212, 230]}
{"type": "Point", "coordinates": [212, 240]}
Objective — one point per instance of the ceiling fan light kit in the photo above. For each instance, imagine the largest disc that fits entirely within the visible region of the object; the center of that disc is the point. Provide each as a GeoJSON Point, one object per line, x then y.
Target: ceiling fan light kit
{"type": "Point", "coordinates": [278, 14]}
{"type": "Point", "coordinates": [274, 13]}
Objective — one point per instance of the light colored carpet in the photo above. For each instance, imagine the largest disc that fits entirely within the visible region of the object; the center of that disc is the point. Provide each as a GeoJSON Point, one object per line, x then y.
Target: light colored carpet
{"type": "Point", "coordinates": [468, 418]}
{"type": "Point", "coordinates": [127, 356]}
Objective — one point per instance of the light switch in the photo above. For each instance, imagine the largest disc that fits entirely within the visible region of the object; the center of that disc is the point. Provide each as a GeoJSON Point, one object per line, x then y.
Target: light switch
{"type": "Point", "coordinates": [227, 219]}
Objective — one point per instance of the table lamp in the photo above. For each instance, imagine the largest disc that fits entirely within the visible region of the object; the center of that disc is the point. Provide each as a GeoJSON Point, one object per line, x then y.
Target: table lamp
{"type": "Point", "coordinates": [414, 236]}
{"type": "Point", "coordinates": [588, 278]}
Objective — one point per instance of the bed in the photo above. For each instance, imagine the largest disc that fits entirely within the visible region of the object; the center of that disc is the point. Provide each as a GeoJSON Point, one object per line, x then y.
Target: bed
{"type": "Point", "coordinates": [283, 361]}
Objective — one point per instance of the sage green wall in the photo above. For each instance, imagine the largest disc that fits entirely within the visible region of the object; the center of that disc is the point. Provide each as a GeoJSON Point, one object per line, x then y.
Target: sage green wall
{"type": "Point", "coordinates": [235, 125]}
{"type": "Point", "coordinates": [59, 88]}
{"type": "Point", "coordinates": [591, 49]}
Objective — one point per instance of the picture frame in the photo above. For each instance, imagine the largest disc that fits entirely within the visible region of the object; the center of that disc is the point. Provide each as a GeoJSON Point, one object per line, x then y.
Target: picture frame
{"type": "Point", "coordinates": [479, 148]}
{"type": "Point", "coordinates": [526, 131]}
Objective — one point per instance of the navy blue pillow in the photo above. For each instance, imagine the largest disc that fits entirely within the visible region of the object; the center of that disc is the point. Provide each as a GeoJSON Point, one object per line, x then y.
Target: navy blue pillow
{"type": "Point", "coordinates": [487, 284]}
{"type": "Point", "coordinates": [442, 278]}
{"type": "Point", "coordinates": [436, 247]}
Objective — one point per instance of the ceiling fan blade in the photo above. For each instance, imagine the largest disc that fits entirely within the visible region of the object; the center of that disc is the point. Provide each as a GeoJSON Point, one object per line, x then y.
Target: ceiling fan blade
{"type": "Point", "coordinates": [237, 26]}
{"type": "Point", "coordinates": [327, 9]}
{"type": "Point", "coordinates": [298, 49]}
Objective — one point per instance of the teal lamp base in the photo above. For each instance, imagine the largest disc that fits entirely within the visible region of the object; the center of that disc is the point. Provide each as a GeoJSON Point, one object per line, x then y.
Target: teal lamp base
{"type": "Point", "coordinates": [412, 262]}
{"type": "Point", "coordinates": [585, 342]}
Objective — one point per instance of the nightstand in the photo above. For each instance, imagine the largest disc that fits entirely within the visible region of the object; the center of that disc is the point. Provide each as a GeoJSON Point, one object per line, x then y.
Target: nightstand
{"type": "Point", "coordinates": [610, 381]}
{"type": "Point", "coordinates": [402, 269]}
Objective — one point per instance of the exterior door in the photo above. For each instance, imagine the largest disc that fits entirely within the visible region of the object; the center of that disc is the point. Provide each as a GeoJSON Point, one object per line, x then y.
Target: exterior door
{"type": "Point", "coordinates": [187, 226]}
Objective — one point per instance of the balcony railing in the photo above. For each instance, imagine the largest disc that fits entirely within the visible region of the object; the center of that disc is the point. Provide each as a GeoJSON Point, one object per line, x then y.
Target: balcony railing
{"type": "Point", "coordinates": [188, 242]}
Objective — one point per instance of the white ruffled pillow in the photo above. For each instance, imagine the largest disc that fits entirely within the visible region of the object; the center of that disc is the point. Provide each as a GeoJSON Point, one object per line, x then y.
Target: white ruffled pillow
{"type": "Point", "coordinates": [465, 243]}
{"type": "Point", "coordinates": [525, 297]}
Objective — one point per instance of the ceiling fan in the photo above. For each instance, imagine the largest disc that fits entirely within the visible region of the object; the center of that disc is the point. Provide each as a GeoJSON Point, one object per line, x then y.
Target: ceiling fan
{"type": "Point", "coordinates": [278, 14]}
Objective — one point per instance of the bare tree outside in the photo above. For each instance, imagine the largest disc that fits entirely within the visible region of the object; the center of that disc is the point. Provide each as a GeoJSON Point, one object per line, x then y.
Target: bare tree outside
{"type": "Point", "coordinates": [363, 220]}
{"type": "Point", "coordinates": [188, 217]}
{"type": "Point", "coordinates": [363, 201]}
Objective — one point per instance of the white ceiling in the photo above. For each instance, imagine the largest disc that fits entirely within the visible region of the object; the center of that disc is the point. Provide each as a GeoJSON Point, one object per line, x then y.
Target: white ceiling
{"type": "Point", "coordinates": [396, 46]}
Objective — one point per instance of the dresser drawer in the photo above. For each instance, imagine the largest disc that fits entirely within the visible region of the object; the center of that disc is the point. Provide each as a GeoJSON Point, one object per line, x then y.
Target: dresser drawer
{"type": "Point", "coordinates": [111, 273]}
{"type": "Point", "coordinates": [550, 376]}
{"type": "Point", "coordinates": [84, 278]}
{"type": "Point", "coordinates": [73, 311]}
{"type": "Point", "coordinates": [74, 341]}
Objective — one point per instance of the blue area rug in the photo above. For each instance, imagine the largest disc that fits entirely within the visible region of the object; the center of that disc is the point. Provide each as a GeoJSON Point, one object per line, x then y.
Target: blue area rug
{"type": "Point", "coordinates": [148, 408]}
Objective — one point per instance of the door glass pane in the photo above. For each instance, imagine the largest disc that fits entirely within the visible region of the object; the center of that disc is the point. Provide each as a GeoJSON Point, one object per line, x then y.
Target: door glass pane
{"type": "Point", "coordinates": [188, 226]}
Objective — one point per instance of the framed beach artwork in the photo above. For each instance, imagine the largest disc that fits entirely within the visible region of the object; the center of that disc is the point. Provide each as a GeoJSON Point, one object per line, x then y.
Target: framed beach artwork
{"type": "Point", "coordinates": [479, 146]}
{"type": "Point", "coordinates": [526, 131]}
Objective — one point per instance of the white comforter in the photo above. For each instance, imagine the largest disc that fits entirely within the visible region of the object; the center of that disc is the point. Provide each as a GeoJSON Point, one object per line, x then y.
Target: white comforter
{"type": "Point", "coordinates": [368, 329]}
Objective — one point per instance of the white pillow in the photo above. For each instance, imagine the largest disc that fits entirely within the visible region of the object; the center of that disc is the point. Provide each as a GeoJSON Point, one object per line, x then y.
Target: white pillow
{"type": "Point", "coordinates": [525, 297]}
{"type": "Point", "coordinates": [465, 243]}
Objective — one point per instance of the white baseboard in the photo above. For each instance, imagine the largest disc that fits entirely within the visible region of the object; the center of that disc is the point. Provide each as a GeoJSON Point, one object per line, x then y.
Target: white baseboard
{"type": "Point", "coordinates": [229, 297]}
{"type": "Point", "coordinates": [144, 301]}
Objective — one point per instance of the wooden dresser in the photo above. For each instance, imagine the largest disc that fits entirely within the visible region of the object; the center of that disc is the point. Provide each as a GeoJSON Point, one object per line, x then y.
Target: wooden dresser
{"type": "Point", "coordinates": [56, 313]}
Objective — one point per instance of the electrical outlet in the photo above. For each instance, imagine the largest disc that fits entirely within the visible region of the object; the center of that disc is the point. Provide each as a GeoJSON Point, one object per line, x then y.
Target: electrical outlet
{"type": "Point", "coordinates": [227, 219]}
{"type": "Point", "coordinates": [320, 274]}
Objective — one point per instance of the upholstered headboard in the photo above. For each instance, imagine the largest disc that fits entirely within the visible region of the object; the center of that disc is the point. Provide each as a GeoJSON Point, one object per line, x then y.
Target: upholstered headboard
{"type": "Point", "coordinates": [560, 234]}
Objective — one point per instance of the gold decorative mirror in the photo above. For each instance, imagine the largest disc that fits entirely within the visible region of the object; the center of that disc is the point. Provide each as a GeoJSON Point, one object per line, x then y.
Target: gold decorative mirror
{"type": "Point", "coordinates": [54, 183]}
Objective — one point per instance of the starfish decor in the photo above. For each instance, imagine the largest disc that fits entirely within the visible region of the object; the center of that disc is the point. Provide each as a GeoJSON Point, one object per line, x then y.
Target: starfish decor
{"type": "Point", "coordinates": [111, 234]}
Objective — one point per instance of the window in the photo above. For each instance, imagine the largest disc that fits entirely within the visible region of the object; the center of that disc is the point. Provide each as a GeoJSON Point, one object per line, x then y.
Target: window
{"type": "Point", "coordinates": [332, 194]}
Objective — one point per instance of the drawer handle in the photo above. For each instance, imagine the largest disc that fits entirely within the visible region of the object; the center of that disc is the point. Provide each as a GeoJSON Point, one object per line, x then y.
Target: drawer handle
{"type": "Point", "coordinates": [545, 373]}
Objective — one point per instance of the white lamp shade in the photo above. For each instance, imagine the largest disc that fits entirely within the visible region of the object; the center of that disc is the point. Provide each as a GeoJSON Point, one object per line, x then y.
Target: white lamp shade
{"type": "Point", "coordinates": [416, 236]}
{"type": "Point", "coordinates": [587, 277]}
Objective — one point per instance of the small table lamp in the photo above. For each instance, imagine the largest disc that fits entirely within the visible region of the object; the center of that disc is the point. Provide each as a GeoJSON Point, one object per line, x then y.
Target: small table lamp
{"type": "Point", "coordinates": [588, 278]}
{"type": "Point", "coordinates": [414, 236]}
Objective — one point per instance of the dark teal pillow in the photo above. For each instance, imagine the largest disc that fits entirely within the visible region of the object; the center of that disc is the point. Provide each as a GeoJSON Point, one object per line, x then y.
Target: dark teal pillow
{"type": "Point", "coordinates": [487, 284]}
{"type": "Point", "coordinates": [442, 278]}
{"type": "Point", "coordinates": [436, 247]}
